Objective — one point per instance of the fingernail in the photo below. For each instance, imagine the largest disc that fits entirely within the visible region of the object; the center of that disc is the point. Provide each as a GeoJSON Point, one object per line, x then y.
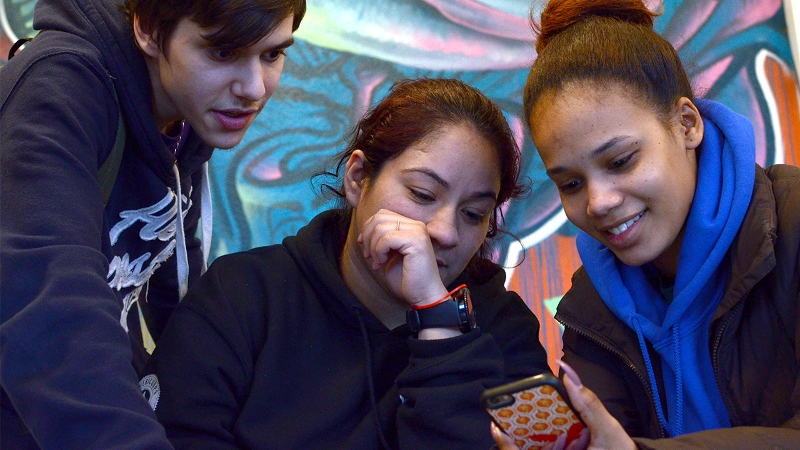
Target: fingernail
{"type": "Point", "coordinates": [561, 442]}
{"type": "Point", "coordinates": [495, 430]}
{"type": "Point", "coordinates": [570, 373]}
{"type": "Point", "coordinates": [583, 440]}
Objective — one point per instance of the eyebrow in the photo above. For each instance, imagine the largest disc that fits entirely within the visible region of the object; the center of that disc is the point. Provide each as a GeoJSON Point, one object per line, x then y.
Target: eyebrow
{"type": "Point", "coordinates": [479, 194]}
{"type": "Point", "coordinates": [596, 153]}
{"type": "Point", "coordinates": [285, 44]}
{"type": "Point", "coordinates": [282, 45]}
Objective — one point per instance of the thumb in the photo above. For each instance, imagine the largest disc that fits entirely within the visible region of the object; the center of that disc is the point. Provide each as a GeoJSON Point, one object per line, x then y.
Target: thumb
{"type": "Point", "coordinates": [606, 431]}
{"type": "Point", "coordinates": [503, 441]}
{"type": "Point", "coordinates": [583, 400]}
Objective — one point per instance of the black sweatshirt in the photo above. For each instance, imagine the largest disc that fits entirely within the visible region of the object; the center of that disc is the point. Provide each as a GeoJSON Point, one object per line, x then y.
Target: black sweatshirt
{"type": "Point", "coordinates": [272, 350]}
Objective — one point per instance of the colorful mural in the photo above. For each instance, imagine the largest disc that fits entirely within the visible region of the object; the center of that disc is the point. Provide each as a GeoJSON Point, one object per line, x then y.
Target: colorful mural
{"type": "Point", "coordinates": [349, 52]}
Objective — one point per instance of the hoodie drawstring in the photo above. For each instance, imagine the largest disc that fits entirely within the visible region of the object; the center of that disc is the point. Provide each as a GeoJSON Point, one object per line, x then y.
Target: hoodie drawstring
{"type": "Point", "coordinates": [370, 383]}
{"type": "Point", "coordinates": [180, 234]}
{"type": "Point", "coordinates": [180, 238]}
{"type": "Point", "coordinates": [677, 430]}
{"type": "Point", "coordinates": [678, 382]}
{"type": "Point", "coordinates": [206, 217]}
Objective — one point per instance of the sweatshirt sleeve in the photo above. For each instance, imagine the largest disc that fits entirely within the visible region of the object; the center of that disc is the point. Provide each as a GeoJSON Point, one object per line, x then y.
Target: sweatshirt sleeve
{"type": "Point", "coordinates": [204, 365]}
{"type": "Point", "coordinates": [65, 360]}
{"type": "Point", "coordinates": [441, 385]}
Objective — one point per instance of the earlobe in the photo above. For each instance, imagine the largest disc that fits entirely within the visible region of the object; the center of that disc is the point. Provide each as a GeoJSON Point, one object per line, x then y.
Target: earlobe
{"type": "Point", "coordinates": [691, 123]}
{"type": "Point", "coordinates": [354, 178]}
{"type": "Point", "coordinates": [145, 39]}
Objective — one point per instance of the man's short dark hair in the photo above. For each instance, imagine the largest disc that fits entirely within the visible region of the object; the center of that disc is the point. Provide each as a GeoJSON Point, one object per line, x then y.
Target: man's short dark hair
{"type": "Point", "coordinates": [240, 23]}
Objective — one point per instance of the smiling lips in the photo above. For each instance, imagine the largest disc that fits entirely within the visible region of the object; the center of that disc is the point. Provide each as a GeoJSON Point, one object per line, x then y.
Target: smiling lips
{"type": "Point", "coordinates": [233, 120]}
{"type": "Point", "coordinates": [621, 228]}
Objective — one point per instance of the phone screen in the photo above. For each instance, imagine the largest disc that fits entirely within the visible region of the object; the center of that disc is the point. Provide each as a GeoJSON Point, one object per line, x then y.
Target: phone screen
{"type": "Point", "coordinates": [533, 412]}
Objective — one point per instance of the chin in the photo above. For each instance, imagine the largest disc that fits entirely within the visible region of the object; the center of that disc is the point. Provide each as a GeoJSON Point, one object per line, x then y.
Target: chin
{"type": "Point", "coordinates": [224, 143]}
{"type": "Point", "coordinates": [221, 139]}
{"type": "Point", "coordinates": [633, 260]}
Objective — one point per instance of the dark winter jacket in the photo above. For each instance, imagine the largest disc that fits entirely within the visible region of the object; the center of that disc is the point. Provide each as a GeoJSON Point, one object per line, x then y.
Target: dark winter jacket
{"type": "Point", "coordinates": [271, 350]}
{"type": "Point", "coordinates": [74, 274]}
{"type": "Point", "coordinates": [754, 335]}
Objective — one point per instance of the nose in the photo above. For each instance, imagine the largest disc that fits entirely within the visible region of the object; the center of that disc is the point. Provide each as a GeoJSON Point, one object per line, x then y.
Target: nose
{"type": "Point", "coordinates": [442, 229]}
{"type": "Point", "coordinates": [603, 197]}
{"type": "Point", "coordinates": [251, 80]}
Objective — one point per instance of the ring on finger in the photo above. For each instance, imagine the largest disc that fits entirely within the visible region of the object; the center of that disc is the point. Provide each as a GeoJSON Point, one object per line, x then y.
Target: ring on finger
{"type": "Point", "coordinates": [397, 228]}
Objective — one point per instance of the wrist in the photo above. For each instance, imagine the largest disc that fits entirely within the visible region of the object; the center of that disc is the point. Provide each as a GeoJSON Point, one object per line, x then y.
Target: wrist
{"type": "Point", "coordinates": [438, 298]}
{"type": "Point", "coordinates": [430, 334]}
{"type": "Point", "coordinates": [453, 312]}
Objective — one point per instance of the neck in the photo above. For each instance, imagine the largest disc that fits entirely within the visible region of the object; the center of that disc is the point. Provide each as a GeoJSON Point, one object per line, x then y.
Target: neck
{"type": "Point", "coordinates": [358, 276]}
{"type": "Point", "coordinates": [667, 262]}
{"type": "Point", "coordinates": [163, 112]}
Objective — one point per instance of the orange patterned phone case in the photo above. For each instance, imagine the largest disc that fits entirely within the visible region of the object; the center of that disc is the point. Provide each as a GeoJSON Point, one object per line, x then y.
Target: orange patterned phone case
{"type": "Point", "coordinates": [534, 411]}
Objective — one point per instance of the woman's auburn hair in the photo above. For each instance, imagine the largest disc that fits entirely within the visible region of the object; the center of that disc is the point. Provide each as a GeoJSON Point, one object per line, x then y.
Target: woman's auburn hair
{"type": "Point", "coordinates": [416, 109]}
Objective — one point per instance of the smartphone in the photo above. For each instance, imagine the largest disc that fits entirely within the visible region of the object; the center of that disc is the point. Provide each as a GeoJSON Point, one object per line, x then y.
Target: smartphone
{"type": "Point", "coordinates": [534, 411]}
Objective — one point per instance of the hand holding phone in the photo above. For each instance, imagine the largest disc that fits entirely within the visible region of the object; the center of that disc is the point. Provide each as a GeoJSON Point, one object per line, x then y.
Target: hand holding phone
{"type": "Point", "coordinates": [534, 411]}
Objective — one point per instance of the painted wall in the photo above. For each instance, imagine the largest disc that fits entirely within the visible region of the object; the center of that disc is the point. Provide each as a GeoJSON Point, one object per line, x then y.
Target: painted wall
{"type": "Point", "coordinates": [349, 52]}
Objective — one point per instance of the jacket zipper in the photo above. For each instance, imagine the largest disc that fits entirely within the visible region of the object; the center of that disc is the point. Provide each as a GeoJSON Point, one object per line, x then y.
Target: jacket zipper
{"type": "Point", "coordinates": [715, 350]}
{"type": "Point", "coordinates": [662, 433]}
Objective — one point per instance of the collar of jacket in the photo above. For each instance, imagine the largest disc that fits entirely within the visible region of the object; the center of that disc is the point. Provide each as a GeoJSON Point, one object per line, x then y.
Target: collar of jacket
{"type": "Point", "coordinates": [752, 254]}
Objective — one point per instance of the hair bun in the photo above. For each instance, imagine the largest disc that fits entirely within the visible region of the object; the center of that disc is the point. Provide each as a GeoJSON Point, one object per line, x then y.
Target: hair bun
{"type": "Point", "coordinates": [559, 15]}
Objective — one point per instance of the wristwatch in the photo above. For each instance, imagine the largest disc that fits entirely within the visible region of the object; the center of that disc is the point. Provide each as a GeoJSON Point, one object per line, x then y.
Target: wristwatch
{"type": "Point", "coordinates": [453, 311]}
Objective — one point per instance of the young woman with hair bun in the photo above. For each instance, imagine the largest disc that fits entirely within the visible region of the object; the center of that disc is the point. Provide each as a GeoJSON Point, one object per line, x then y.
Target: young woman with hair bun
{"type": "Point", "coordinates": [683, 320]}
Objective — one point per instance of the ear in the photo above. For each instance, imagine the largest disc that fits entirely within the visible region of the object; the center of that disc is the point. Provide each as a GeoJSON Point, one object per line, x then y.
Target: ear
{"type": "Point", "coordinates": [145, 39]}
{"type": "Point", "coordinates": [354, 178]}
{"type": "Point", "coordinates": [690, 123]}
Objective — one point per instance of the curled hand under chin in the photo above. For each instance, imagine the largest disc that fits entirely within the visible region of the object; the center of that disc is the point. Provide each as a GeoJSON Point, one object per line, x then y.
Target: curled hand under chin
{"type": "Point", "coordinates": [401, 247]}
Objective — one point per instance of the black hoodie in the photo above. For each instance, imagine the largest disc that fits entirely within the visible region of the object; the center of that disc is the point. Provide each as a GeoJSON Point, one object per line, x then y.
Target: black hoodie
{"type": "Point", "coordinates": [71, 270]}
{"type": "Point", "coordinates": [271, 350]}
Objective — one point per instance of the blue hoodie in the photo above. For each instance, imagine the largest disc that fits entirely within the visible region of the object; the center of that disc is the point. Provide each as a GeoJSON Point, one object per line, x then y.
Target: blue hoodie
{"type": "Point", "coordinates": [678, 329]}
{"type": "Point", "coordinates": [76, 276]}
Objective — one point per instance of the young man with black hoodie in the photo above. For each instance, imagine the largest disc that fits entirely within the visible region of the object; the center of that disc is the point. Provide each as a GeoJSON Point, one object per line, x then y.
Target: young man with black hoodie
{"type": "Point", "coordinates": [91, 273]}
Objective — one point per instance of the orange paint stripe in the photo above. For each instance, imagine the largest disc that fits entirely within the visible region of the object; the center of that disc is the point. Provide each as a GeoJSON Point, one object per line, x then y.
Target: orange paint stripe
{"type": "Point", "coordinates": [547, 273]}
{"type": "Point", "coordinates": [785, 89]}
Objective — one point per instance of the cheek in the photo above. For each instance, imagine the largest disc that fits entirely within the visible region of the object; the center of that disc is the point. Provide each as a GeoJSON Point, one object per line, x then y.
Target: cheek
{"type": "Point", "coordinates": [214, 85]}
{"type": "Point", "coordinates": [272, 77]}
{"type": "Point", "coordinates": [207, 79]}
{"type": "Point", "coordinates": [575, 210]}
{"type": "Point", "coordinates": [673, 187]}
{"type": "Point", "coordinates": [684, 197]}
{"type": "Point", "coordinates": [472, 239]}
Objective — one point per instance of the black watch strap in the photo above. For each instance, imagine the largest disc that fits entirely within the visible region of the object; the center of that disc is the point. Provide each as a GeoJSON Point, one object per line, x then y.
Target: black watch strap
{"type": "Point", "coordinates": [453, 313]}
